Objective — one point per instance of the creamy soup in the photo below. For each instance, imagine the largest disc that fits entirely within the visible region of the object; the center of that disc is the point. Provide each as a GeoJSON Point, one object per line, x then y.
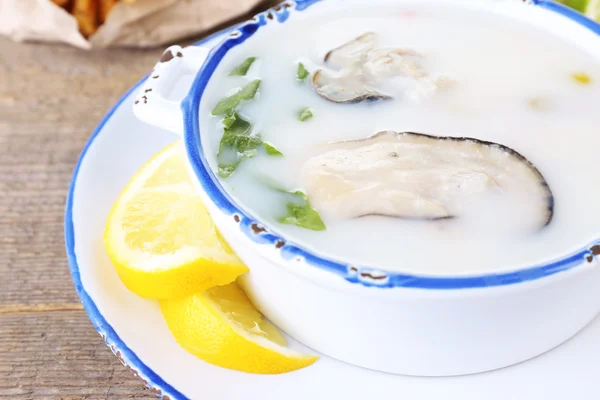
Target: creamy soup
{"type": "Point", "coordinates": [469, 139]}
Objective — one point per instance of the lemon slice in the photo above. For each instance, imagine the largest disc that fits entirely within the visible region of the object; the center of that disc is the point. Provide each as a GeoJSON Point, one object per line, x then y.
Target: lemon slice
{"type": "Point", "coordinates": [222, 327]}
{"type": "Point", "coordinates": [160, 236]}
{"type": "Point", "coordinates": [592, 9]}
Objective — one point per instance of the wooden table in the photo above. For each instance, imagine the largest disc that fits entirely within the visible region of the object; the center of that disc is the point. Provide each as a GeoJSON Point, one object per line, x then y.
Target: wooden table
{"type": "Point", "coordinates": [51, 99]}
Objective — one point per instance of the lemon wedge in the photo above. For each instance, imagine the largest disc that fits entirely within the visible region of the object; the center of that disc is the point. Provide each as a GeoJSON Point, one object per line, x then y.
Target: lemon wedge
{"type": "Point", "coordinates": [160, 236]}
{"type": "Point", "coordinates": [222, 327]}
{"type": "Point", "coordinates": [592, 10]}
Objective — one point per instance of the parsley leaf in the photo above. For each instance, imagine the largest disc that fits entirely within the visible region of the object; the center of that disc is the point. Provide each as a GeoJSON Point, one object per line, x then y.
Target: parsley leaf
{"type": "Point", "coordinates": [247, 146]}
{"type": "Point", "coordinates": [242, 69]}
{"type": "Point", "coordinates": [305, 114]}
{"type": "Point", "coordinates": [235, 128]}
{"type": "Point", "coordinates": [300, 213]}
{"type": "Point", "coordinates": [238, 143]}
{"type": "Point", "coordinates": [225, 170]}
{"type": "Point", "coordinates": [248, 91]}
{"type": "Point", "coordinates": [228, 120]}
{"type": "Point", "coordinates": [271, 150]}
{"type": "Point", "coordinates": [228, 104]}
{"type": "Point", "coordinates": [302, 73]}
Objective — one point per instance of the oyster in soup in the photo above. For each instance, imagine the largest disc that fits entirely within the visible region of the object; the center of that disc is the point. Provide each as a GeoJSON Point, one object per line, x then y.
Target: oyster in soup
{"type": "Point", "coordinates": [412, 175]}
{"type": "Point", "coordinates": [358, 70]}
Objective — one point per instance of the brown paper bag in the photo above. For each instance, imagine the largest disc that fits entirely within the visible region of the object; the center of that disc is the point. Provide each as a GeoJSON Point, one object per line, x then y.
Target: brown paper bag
{"type": "Point", "coordinates": [143, 23]}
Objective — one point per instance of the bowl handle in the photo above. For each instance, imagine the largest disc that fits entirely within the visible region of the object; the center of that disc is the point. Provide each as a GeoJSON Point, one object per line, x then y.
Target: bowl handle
{"type": "Point", "coordinates": [150, 104]}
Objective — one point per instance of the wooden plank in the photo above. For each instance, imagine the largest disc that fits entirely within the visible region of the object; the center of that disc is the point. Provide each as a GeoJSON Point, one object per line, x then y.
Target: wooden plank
{"type": "Point", "coordinates": [48, 347]}
{"type": "Point", "coordinates": [59, 355]}
{"type": "Point", "coordinates": [51, 98]}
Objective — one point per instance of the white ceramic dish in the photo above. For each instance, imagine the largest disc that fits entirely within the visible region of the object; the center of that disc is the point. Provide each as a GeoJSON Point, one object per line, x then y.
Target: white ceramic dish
{"type": "Point", "coordinates": [385, 320]}
{"type": "Point", "coordinates": [136, 332]}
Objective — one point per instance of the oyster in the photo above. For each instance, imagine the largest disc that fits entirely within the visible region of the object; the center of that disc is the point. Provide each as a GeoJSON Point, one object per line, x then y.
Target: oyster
{"type": "Point", "coordinates": [413, 175]}
{"type": "Point", "coordinates": [344, 88]}
{"type": "Point", "coordinates": [357, 70]}
{"type": "Point", "coordinates": [350, 52]}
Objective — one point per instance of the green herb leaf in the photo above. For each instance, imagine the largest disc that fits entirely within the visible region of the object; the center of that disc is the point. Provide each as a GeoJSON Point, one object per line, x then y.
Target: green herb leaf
{"type": "Point", "coordinates": [248, 91]}
{"type": "Point", "coordinates": [305, 114]}
{"type": "Point", "coordinates": [272, 151]}
{"type": "Point", "coordinates": [247, 146]}
{"type": "Point", "coordinates": [302, 72]}
{"type": "Point", "coordinates": [298, 194]}
{"type": "Point", "coordinates": [229, 120]}
{"type": "Point", "coordinates": [238, 140]}
{"type": "Point", "coordinates": [242, 69]}
{"type": "Point", "coordinates": [228, 104]}
{"type": "Point", "coordinates": [238, 128]}
{"type": "Point", "coordinates": [301, 214]}
{"type": "Point", "coordinates": [225, 170]}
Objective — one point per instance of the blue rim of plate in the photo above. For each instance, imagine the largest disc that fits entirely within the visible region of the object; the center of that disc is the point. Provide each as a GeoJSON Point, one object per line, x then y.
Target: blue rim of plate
{"type": "Point", "coordinates": [286, 249]}
{"type": "Point", "coordinates": [152, 380]}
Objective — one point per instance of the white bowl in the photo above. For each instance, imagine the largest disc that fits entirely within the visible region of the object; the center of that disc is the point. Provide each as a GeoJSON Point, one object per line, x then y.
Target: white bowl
{"type": "Point", "coordinates": [385, 320]}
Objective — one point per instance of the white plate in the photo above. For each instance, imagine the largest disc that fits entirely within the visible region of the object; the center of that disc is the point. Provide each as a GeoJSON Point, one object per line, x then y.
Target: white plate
{"type": "Point", "coordinates": [136, 332]}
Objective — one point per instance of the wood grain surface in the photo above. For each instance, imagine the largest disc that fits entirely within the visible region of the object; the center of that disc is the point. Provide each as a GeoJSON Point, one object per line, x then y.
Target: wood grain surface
{"type": "Point", "coordinates": [51, 98]}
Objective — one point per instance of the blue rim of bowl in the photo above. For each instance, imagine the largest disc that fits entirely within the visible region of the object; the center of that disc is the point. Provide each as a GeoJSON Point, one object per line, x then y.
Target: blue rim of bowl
{"type": "Point", "coordinates": [131, 360]}
{"type": "Point", "coordinates": [152, 380]}
{"type": "Point", "coordinates": [366, 276]}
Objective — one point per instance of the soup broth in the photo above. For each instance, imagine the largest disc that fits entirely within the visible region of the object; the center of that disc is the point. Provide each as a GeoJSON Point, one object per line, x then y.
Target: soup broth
{"type": "Point", "coordinates": [463, 73]}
